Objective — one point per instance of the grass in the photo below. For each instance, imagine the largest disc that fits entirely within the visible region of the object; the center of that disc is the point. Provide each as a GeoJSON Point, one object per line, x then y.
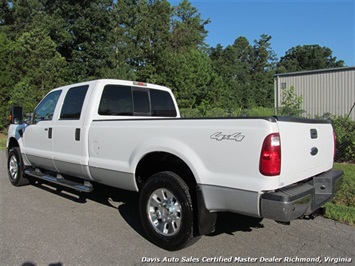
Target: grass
{"type": "Point", "coordinates": [341, 208]}
{"type": "Point", "coordinates": [2, 141]}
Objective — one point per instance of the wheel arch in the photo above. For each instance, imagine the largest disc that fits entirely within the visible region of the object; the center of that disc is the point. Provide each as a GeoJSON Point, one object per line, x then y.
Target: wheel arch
{"type": "Point", "coordinates": [11, 143]}
{"type": "Point", "coordinates": [155, 162]}
{"type": "Point", "coordinates": [159, 161]}
{"type": "Point", "coordinates": [158, 153]}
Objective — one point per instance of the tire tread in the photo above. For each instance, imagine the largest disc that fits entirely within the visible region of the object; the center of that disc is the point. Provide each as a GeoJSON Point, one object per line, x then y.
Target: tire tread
{"type": "Point", "coordinates": [21, 179]}
{"type": "Point", "coordinates": [186, 237]}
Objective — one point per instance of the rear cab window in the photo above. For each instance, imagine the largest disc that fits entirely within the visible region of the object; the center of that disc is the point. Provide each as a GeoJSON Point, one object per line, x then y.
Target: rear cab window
{"type": "Point", "coordinates": [123, 100]}
{"type": "Point", "coordinates": [73, 103]}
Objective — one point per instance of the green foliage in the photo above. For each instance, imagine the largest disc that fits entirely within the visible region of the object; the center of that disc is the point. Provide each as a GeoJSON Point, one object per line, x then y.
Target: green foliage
{"type": "Point", "coordinates": [342, 207]}
{"type": "Point", "coordinates": [36, 68]}
{"type": "Point", "coordinates": [187, 27]}
{"type": "Point", "coordinates": [224, 112]}
{"type": "Point", "coordinates": [345, 132]}
{"type": "Point", "coordinates": [190, 75]}
{"type": "Point", "coordinates": [6, 78]}
{"type": "Point", "coordinates": [308, 57]}
{"type": "Point", "coordinates": [290, 102]}
{"type": "Point", "coordinates": [346, 195]}
{"type": "Point", "coordinates": [3, 139]}
{"type": "Point", "coordinates": [20, 93]}
{"type": "Point", "coordinates": [142, 37]}
{"type": "Point", "coordinates": [45, 44]}
{"type": "Point", "coordinates": [246, 71]}
{"type": "Point", "coordinates": [83, 31]}
{"type": "Point", "coordinates": [257, 111]}
{"type": "Point", "coordinates": [340, 213]}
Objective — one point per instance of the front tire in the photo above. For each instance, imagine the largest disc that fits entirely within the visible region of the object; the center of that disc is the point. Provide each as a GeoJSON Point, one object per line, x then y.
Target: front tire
{"type": "Point", "coordinates": [15, 168]}
{"type": "Point", "coordinates": [166, 211]}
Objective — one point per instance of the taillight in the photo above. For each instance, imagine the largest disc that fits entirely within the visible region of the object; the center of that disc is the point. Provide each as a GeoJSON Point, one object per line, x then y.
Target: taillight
{"type": "Point", "coordinates": [270, 156]}
{"type": "Point", "coordinates": [335, 145]}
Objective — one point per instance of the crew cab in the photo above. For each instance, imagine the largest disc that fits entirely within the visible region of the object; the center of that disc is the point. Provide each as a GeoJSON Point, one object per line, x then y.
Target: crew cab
{"type": "Point", "coordinates": [130, 135]}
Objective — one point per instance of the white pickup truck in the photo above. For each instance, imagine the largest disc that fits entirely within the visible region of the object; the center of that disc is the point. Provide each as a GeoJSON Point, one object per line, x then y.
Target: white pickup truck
{"type": "Point", "coordinates": [129, 135]}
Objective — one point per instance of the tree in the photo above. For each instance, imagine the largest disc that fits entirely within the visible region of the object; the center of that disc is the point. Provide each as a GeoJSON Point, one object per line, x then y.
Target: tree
{"type": "Point", "coordinates": [38, 68]}
{"type": "Point", "coordinates": [291, 102]}
{"type": "Point", "coordinates": [263, 64]}
{"type": "Point", "coordinates": [308, 57]}
{"type": "Point", "coordinates": [187, 27]}
{"type": "Point", "coordinates": [190, 78]}
{"type": "Point", "coordinates": [142, 35]}
{"type": "Point", "coordinates": [30, 67]}
{"type": "Point", "coordinates": [44, 44]}
{"type": "Point", "coordinates": [246, 71]}
{"type": "Point", "coordinates": [82, 32]}
{"type": "Point", "coordinates": [6, 77]}
{"type": "Point", "coordinates": [232, 66]}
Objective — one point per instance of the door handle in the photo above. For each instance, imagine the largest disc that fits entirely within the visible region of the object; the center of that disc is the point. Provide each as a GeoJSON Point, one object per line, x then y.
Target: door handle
{"type": "Point", "coordinates": [77, 134]}
{"type": "Point", "coordinates": [49, 132]}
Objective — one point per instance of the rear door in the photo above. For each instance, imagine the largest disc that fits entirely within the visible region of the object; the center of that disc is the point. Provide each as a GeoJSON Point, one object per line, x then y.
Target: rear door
{"type": "Point", "coordinates": [307, 148]}
{"type": "Point", "coordinates": [68, 133]}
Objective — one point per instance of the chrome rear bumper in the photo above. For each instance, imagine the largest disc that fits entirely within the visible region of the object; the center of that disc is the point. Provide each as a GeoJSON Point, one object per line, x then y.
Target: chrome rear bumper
{"type": "Point", "coordinates": [299, 200]}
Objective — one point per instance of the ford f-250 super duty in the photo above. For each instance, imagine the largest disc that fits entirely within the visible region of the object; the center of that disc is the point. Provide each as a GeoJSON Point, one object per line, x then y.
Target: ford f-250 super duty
{"type": "Point", "coordinates": [130, 135]}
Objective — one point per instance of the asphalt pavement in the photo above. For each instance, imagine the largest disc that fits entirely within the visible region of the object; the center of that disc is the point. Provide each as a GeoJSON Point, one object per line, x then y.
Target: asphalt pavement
{"type": "Point", "coordinates": [44, 225]}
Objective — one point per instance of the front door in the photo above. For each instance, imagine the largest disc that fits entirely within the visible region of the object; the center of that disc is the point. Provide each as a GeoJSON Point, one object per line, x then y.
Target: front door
{"type": "Point", "coordinates": [38, 136]}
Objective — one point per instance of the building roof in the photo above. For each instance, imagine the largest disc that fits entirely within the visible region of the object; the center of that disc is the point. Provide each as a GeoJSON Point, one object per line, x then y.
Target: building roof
{"type": "Point", "coordinates": [308, 72]}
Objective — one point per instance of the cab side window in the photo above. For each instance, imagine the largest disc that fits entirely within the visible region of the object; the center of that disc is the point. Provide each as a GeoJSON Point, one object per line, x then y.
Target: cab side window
{"type": "Point", "coordinates": [162, 104]}
{"type": "Point", "coordinates": [45, 110]}
{"type": "Point", "coordinates": [73, 103]}
{"type": "Point", "coordinates": [116, 100]}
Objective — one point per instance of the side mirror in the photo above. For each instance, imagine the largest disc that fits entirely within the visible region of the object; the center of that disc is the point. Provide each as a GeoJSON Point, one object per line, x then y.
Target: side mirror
{"type": "Point", "coordinates": [16, 115]}
{"type": "Point", "coordinates": [28, 118]}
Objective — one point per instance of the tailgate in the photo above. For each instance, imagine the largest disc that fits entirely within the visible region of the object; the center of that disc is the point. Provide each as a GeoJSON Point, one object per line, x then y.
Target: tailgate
{"type": "Point", "coordinates": [307, 148]}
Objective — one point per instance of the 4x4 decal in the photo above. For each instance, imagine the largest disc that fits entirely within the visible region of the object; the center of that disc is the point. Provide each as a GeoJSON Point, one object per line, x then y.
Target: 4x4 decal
{"type": "Point", "coordinates": [238, 137]}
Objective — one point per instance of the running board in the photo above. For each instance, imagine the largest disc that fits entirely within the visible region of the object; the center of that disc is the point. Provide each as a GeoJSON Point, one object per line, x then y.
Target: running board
{"type": "Point", "coordinates": [59, 180]}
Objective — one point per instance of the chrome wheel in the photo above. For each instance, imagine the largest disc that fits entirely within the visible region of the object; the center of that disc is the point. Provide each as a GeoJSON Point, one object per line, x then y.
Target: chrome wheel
{"type": "Point", "coordinates": [164, 212]}
{"type": "Point", "coordinates": [13, 167]}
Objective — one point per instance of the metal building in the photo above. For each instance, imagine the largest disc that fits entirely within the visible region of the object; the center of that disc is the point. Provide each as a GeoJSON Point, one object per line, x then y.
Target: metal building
{"type": "Point", "coordinates": [323, 91]}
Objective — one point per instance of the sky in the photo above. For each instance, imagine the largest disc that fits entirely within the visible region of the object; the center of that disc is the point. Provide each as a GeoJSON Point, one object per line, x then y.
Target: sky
{"type": "Point", "coordinates": [329, 23]}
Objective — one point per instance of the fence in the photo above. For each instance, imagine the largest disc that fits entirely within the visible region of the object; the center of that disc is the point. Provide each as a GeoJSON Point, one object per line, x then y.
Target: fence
{"type": "Point", "coordinates": [345, 132]}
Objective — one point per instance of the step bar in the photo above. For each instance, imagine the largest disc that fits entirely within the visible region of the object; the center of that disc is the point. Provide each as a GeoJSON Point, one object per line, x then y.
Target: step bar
{"type": "Point", "coordinates": [60, 180]}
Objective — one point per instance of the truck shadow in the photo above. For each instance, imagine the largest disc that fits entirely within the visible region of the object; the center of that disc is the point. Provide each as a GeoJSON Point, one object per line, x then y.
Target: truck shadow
{"type": "Point", "coordinates": [230, 223]}
{"type": "Point", "coordinates": [126, 203]}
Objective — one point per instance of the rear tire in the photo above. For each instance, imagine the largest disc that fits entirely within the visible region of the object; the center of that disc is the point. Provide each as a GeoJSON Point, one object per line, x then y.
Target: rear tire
{"type": "Point", "coordinates": [15, 168]}
{"type": "Point", "coordinates": [166, 211]}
